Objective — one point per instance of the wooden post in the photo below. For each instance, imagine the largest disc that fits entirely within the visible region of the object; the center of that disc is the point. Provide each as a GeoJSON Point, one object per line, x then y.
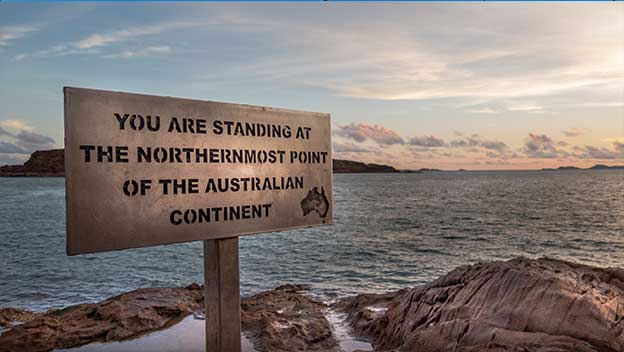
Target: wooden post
{"type": "Point", "coordinates": [222, 295]}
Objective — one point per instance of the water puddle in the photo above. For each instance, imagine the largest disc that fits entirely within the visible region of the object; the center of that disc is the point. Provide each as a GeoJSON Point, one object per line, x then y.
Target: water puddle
{"type": "Point", "coordinates": [188, 335]}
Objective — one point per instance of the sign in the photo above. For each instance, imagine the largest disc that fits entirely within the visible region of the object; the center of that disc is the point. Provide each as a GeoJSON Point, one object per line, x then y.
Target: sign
{"type": "Point", "coordinates": [145, 170]}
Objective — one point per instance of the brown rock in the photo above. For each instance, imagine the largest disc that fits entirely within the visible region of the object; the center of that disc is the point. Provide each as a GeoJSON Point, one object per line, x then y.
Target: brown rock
{"type": "Point", "coordinates": [117, 318]}
{"type": "Point", "coordinates": [279, 320]}
{"type": "Point", "coordinates": [286, 320]}
{"type": "Point", "coordinates": [41, 163]}
{"type": "Point", "coordinates": [518, 305]}
{"type": "Point", "coordinates": [10, 316]}
{"type": "Point", "coordinates": [348, 166]}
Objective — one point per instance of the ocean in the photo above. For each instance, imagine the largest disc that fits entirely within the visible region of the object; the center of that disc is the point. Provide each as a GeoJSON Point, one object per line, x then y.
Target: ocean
{"type": "Point", "coordinates": [390, 231]}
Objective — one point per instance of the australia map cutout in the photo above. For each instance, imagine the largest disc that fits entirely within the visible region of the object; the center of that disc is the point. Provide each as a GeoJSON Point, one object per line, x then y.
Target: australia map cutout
{"type": "Point", "coordinates": [315, 201]}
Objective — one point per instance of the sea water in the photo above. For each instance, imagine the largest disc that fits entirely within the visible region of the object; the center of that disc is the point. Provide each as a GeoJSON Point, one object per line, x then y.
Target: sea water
{"type": "Point", "coordinates": [390, 231]}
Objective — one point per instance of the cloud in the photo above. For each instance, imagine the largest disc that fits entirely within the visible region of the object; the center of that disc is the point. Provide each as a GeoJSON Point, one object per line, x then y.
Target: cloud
{"type": "Point", "coordinates": [4, 132]}
{"type": "Point", "coordinates": [426, 141]}
{"type": "Point", "coordinates": [493, 145]}
{"type": "Point", "coordinates": [574, 132]}
{"type": "Point", "coordinates": [12, 159]}
{"type": "Point", "coordinates": [23, 140]}
{"type": "Point", "coordinates": [130, 54]}
{"type": "Point", "coordinates": [16, 124]}
{"type": "Point", "coordinates": [10, 148]}
{"type": "Point", "coordinates": [526, 107]}
{"type": "Point", "coordinates": [11, 33]}
{"type": "Point", "coordinates": [542, 146]}
{"type": "Point", "coordinates": [104, 39]}
{"type": "Point", "coordinates": [361, 132]}
{"type": "Point", "coordinates": [592, 152]}
{"type": "Point", "coordinates": [95, 43]}
{"type": "Point", "coordinates": [31, 141]}
{"type": "Point", "coordinates": [494, 53]}
{"type": "Point", "coordinates": [483, 110]}
{"type": "Point", "coordinates": [476, 141]}
{"type": "Point", "coordinates": [57, 50]}
{"type": "Point", "coordinates": [350, 148]}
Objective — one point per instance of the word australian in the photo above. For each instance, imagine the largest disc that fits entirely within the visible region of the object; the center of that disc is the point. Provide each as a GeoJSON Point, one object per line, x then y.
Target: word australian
{"type": "Point", "coordinates": [216, 185]}
{"type": "Point", "coordinates": [219, 127]}
{"type": "Point", "coordinates": [181, 155]}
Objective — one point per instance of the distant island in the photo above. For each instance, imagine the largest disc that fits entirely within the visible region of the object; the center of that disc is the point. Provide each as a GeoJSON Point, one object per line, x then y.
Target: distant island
{"type": "Point", "coordinates": [42, 163]}
{"type": "Point", "coordinates": [595, 167]}
{"type": "Point", "coordinates": [51, 163]}
{"type": "Point", "coordinates": [348, 166]}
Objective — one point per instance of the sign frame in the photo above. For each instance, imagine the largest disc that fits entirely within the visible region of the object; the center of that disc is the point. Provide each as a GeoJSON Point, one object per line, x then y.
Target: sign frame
{"type": "Point", "coordinates": [75, 181]}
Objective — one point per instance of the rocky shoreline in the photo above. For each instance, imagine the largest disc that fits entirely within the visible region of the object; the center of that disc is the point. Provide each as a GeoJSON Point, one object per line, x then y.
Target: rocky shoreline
{"type": "Point", "coordinates": [516, 305]}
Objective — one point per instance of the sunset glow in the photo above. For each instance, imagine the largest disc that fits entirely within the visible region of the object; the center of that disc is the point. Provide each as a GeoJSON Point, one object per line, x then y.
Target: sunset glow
{"type": "Point", "coordinates": [472, 86]}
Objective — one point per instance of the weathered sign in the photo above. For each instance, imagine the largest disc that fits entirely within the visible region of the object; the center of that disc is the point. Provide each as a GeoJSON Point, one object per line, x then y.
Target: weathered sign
{"type": "Point", "coordinates": [146, 170]}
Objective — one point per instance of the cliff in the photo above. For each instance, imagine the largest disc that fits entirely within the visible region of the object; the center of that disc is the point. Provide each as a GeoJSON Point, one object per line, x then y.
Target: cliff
{"type": "Point", "coordinates": [45, 163]}
{"type": "Point", "coordinates": [51, 163]}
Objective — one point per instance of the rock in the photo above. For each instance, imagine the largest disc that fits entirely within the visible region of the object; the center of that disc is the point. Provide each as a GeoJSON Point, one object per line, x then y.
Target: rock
{"type": "Point", "coordinates": [48, 163]}
{"type": "Point", "coordinates": [348, 166]}
{"type": "Point", "coordinates": [117, 318]}
{"type": "Point", "coordinates": [277, 320]}
{"type": "Point", "coordinates": [518, 305]}
{"type": "Point", "coordinates": [12, 316]}
{"type": "Point", "coordinates": [524, 305]}
{"type": "Point", "coordinates": [286, 320]}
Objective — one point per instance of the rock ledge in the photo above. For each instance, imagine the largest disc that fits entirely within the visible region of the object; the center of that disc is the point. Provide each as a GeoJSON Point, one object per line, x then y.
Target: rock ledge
{"type": "Point", "coordinates": [518, 305]}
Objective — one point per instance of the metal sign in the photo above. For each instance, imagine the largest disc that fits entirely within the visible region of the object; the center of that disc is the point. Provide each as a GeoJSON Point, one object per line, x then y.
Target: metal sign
{"type": "Point", "coordinates": [147, 170]}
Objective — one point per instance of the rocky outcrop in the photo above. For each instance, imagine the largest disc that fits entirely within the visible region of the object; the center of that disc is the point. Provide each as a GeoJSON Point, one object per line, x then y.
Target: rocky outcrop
{"type": "Point", "coordinates": [43, 163]}
{"type": "Point", "coordinates": [117, 318]}
{"type": "Point", "coordinates": [286, 320]}
{"type": "Point", "coordinates": [518, 305]}
{"type": "Point", "coordinates": [277, 320]}
{"type": "Point", "coordinates": [11, 316]}
{"type": "Point", "coordinates": [348, 166]}
{"type": "Point", "coordinates": [523, 305]}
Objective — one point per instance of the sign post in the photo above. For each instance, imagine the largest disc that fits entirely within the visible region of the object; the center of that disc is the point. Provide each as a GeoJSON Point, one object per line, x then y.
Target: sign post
{"type": "Point", "coordinates": [145, 170]}
{"type": "Point", "coordinates": [222, 295]}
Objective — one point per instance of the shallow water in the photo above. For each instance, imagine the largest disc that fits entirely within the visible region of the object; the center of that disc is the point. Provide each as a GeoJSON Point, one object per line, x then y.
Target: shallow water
{"type": "Point", "coordinates": [188, 335]}
{"type": "Point", "coordinates": [390, 231]}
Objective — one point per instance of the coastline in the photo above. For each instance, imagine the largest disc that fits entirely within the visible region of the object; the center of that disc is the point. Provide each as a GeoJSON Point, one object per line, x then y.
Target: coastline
{"type": "Point", "coordinates": [494, 306]}
{"type": "Point", "coordinates": [51, 163]}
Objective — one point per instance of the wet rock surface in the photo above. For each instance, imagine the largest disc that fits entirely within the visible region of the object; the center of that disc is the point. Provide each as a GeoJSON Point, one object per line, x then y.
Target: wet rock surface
{"type": "Point", "coordinates": [12, 316]}
{"type": "Point", "coordinates": [279, 320]}
{"type": "Point", "coordinates": [117, 318]}
{"type": "Point", "coordinates": [518, 305]}
{"type": "Point", "coordinates": [285, 320]}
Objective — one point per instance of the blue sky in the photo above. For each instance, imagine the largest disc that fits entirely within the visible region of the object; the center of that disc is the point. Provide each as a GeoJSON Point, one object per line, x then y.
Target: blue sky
{"type": "Point", "coordinates": [459, 85]}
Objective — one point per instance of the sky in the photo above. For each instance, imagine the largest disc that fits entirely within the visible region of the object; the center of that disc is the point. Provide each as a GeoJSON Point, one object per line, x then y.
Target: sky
{"type": "Point", "coordinates": [449, 85]}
